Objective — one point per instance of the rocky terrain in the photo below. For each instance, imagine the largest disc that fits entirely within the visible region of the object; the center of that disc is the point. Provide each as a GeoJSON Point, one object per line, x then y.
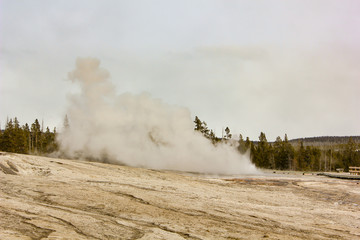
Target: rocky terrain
{"type": "Point", "coordinates": [46, 198]}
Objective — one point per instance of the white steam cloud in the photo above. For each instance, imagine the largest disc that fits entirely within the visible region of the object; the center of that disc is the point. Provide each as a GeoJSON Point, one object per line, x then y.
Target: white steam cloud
{"type": "Point", "coordinates": [138, 130]}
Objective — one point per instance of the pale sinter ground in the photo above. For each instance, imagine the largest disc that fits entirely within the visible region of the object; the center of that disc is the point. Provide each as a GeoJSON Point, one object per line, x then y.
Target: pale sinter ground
{"type": "Point", "coordinates": [45, 198]}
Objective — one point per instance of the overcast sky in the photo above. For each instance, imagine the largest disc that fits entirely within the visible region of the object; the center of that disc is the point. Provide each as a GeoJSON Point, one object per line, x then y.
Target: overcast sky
{"type": "Point", "coordinates": [273, 66]}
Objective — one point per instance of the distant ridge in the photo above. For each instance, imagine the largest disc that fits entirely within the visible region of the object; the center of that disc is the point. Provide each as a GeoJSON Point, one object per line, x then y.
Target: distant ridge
{"type": "Point", "coordinates": [325, 140]}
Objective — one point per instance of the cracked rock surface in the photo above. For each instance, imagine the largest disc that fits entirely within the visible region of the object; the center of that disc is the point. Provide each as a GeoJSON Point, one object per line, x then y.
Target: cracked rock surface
{"type": "Point", "coordinates": [48, 198]}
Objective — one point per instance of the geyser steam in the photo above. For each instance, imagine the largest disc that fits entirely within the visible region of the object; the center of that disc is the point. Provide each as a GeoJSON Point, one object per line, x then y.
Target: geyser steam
{"type": "Point", "coordinates": [138, 130]}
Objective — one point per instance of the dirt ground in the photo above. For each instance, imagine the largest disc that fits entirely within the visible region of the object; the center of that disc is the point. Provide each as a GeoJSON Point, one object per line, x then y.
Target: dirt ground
{"type": "Point", "coordinates": [47, 198]}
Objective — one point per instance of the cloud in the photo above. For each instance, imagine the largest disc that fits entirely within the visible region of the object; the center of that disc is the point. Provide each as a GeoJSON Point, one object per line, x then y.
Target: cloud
{"type": "Point", "coordinates": [254, 66]}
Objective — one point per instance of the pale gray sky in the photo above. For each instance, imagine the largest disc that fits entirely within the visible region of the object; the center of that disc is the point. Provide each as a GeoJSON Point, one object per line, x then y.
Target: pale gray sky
{"type": "Point", "coordinates": [273, 66]}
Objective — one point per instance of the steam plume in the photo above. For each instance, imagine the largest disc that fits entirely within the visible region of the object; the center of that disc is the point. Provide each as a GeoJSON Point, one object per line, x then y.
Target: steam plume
{"type": "Point", "coordinates": [138, 130]}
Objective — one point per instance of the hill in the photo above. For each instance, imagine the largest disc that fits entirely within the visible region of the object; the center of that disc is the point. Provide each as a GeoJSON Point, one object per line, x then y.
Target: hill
{"type": "Point", "coordinates": [325, 140]}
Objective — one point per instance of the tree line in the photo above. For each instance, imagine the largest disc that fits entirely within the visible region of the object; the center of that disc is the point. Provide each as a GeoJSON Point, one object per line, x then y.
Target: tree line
{"type": "Point", "coordinates": [290, 155]}
{"type": "Point", "coordinates": [283, 154]}
{"type": "Point", "coordinates": [28, 139]}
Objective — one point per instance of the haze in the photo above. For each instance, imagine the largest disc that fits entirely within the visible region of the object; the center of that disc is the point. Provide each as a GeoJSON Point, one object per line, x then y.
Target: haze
{"type": "Point", "coordinates": [273, 66]}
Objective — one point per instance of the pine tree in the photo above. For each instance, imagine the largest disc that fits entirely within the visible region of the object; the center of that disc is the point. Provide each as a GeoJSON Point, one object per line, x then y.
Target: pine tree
{"type": "Point", "coordinates": [26, 131]}
{"type": "Point", "coordinates": [47, 140]}
{"type": "Point", "coordinates": [350, 157]}
{"type": "Point", "coordinates": [205, 131]}
{"type": "Point", "coordinates": [263, 152]}
{"type": "Point", "coordinates": [242, 145]}
{"type": "Point", "coordinates": [247, 143]}
{"type": "Point", "coordinates": [271, 157]}
{"type": "Point", "coordinates": [213, 137]}
{"type": "Point", "coordinates": [7, 139]}
{"type": "Point", "coordinates": [35, 136]}
{"type": "Point", "coordinates": [289, 153]}
{"type": "Point", "coordinates": [300, 157]}
{"type": "Point", "coordinates": [54, 145]}
{"type": "Point", "coordinates": [1, 133]}
{"type": "Point", "coordinates": [253, 154]}
{"type": "Point", "coordinates": [315, 159]}
{"type": "Point", "coordinates": [307, 158]}
{"type": "Point", "coordinates": [202, 127]}
{"type": "Point", "coordinates": [279, 154]}
{"type": "Point", "coordinates": [228, 135]}
{"type": "Point", "coordinates": [20, 141]}
{"type": "Point", "coordinates": [198, 124]}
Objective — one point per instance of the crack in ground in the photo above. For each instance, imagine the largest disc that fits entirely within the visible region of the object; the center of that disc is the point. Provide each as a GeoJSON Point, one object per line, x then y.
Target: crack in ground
{"type": "Point", "coordinates": [76, 229]}
{"type": "Point", "coordinates": [20, 224]}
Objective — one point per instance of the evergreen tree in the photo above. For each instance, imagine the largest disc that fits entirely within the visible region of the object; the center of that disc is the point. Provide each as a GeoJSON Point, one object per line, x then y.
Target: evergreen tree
{"type": "Point", "coordinates": [350, 158]}
{"type": "Point", "coordinates": [263, 152]}
{"type": "Point", "coordinates": [20, 141]}
{"type": "Point", "coordinates": [35, 136]}
{"type": "Point", "coordinates": [242, 145]}
{"type": "Point", "coordinates": [300, 156]}
{"type": "Point", "coordinates": [198, 124]}
{"type": "Point", "coordinates": [315, 159]}
{"type": "Point", "coordinates": [307, 159]}
{"type": "Point", "coordinates": [205, 131]}
{"type": "Point", "coordinates": [7, 139]}
{"type": "Point", "coordinates": [289, 154]}
{"type": "Point", "coordinates": [54, 144]}
{"type": "Point", "coordinates": [247, 143]}
{"type": "Point", "coordinates": [26, 131]}
{"type": "Point", "coordinates": [271, 157]}
{"type": "Point", "coordinates": [25, 140]}
{"type": "Point", "coordinates": [202, 127]}
{"type": "Point", "coordinates": [228, 135]}
{"type": "Point", "coordinates": [279, 154]}
{"type": "Point", "coordinates": [213, 137]}
{"type": "Point", "coordinates": [253, 154]}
